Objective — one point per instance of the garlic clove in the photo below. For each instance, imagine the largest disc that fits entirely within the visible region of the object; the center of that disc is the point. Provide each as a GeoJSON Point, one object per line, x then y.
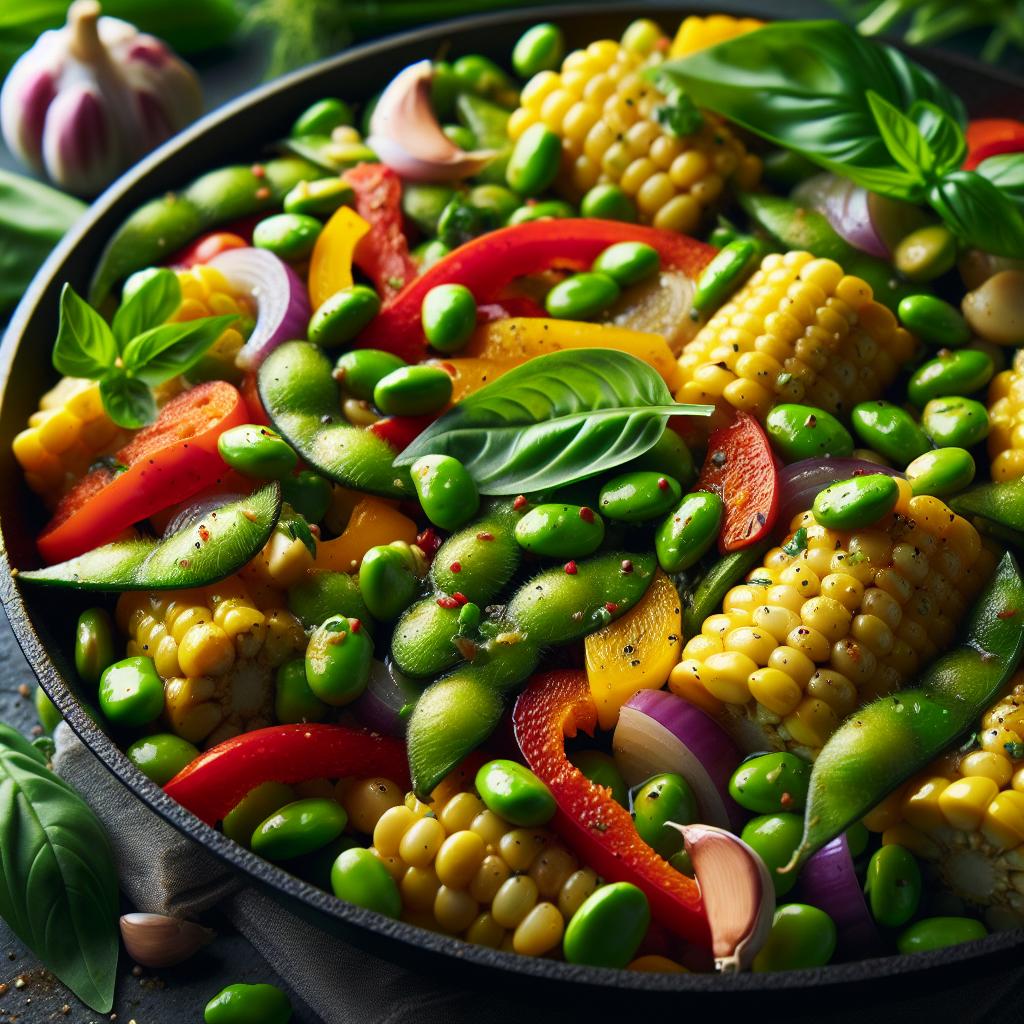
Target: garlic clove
{"type": "Point", "coordinates": [156, 940]}
{"type": "Point", "coordinates": [406, 135]}
{"type": "Point", "coordinates": [737, 892]}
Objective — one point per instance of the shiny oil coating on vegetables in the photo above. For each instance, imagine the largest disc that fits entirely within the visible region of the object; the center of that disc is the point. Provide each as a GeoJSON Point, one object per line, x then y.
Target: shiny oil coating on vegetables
{"type": "Point", "coordinates": [831, 620]}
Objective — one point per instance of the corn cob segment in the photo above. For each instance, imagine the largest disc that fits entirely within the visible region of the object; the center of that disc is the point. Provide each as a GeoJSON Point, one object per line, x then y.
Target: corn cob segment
{"type": "Point", "coordinates": [831, 620]}
{"type": "Point", "coordinates": [1006, 422]}
{"type": "Point", "coordinates": [800, 330]}
{"type": "Point", "coordinates": [964, 815]}
{"type": "Point", "coordinates": [216, 652]}
{"type": "Point", "coordinates": [604, 110]}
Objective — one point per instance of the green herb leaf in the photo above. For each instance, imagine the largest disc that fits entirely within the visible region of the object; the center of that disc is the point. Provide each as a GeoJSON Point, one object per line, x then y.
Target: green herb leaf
{"type": "Point", "coordinates": [944, 136]}
{"type": "Point", "coordinates": [59, 891]}
{"type": "Point", "coordinates": [298, 529]}
{"type": "Point", "coordinates": [150, 306]}
{"type": "Point", "coordinates": [902, 138]}
{"type": "Point", "coordinates": [164, 352]}
{"type": "Point", "coordinates": [679, 115]}
{"type": "Point", "coordinates": [797, 543]}
{"type": "Point", "coordinates": [85, 345]}
{"type": "Point", "coordinates": [555, 420]}
{"type": "Point", "coordinates": [979, 213]}
{"type": "Point", "coordinates": [1006, 172]}
{"type": "Point", "coordinates": [128, 402]}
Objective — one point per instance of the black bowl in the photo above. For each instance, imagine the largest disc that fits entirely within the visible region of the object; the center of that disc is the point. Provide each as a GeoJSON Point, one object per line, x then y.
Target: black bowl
{"type": "Point", "coordinates": [43, 621]}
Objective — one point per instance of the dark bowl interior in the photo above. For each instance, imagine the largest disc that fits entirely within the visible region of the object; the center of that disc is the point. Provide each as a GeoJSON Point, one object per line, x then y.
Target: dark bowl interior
{"type": "Point", "coordinates": [43, 621]}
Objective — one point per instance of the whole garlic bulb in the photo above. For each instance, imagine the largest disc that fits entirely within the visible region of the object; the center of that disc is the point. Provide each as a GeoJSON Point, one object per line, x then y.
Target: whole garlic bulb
{"type": "Point", "coordinates": [89, 99]}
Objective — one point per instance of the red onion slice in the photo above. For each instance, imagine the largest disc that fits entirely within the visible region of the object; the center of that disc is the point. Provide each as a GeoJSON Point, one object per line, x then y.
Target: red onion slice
{"type": "Point", "coordinates": [280, 297]}
{"type": "Point", "coordinates": [380, 705]}
{"type": "Point", "coordinates": [659, 732]}
{"type": "Point", "coordinates": [846, 208]}
{"type": "Point", "coordinates": [800, 482]}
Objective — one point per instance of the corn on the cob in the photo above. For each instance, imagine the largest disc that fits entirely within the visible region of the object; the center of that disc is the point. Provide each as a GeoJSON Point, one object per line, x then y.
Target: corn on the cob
{"type": "Point", "coordinates": [1006, 422]}
{"type": "Point", "coordinates": [800, 330]}
{"type": "Point", "coordinates": [604, 110]}
{"type": "Point", "coordinates": [697, 33]}
{"type": "Point", "coordinates": [216, 652]}
{"type": "Point", "coordinates": [964, 815]}
{"type": "Point", "coordinates": [831, 620]}
{"type": "Point", "coordinates": [65, 437]}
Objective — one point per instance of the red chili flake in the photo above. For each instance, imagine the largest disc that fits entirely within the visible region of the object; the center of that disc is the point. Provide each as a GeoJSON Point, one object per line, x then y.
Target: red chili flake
{"type": "Point", "coordinates": [455, 567]}
{"type": "Point", "coordinates": [785, 800]}
{"type": "Point", "coordinates": [587, 514]}
{"type": "Point", "coordinates": [662, 484]}
{"type": "Point", "coordinates": [354, 625]}
{"type": "Point", "coordinates": [314, 529]}
{"type": "Point", "coordinates": [183, 563]}
{"type": "Point", "coordinates": [520, 502]}
{"type": "Point", "coordinates": [460, 599]}
{"type": "Point", "coordinates": [485, 535]}
{"type": "Point", "coordinates": [428, 541]}
{"type": "Point", "coordinates": [259, 171]}
{"type": "Point", "coordinates": [262, 193]}
{"type": "Point", "coordinates": [627, 566]}
{"type": "Point", "coordinates": [447, 602]}
{"type": "Point", "coordinates": [204, 534]}
{"type": "Point", "coordinates": [611, 607]}
{"type": "Point", "coordinates": [570, 568]}
{"type": "Point", "coordinates": [1006, 613]}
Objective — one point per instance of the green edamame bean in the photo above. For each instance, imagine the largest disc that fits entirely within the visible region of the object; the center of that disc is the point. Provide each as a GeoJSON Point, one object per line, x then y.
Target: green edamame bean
{"type": "Point", "coordinates": [775, 837]}
{"type": "Point", "coordinates": [804, 432]}
{"type": "Point", "coordinates": [540, 48]}
{"type": "Point", "coordinates": [608, 928]}
{"type": "Point", "coordinates": [723, 275]}
{"type": "Point", "coordinates": [893, 886]}
{"type": "Point", "coordinates": [771, 783]}
{"type": "Point", "coordinates": [861, 501]}
{"type": "Point", "coordinates": [581, 296]}
{"type": "Point", "coordinates": [298, 828]}
{"type": "Point", "coordinates": [934, 321]}
{"type": "Point", "coordinates": [48, 713]}
{"type": "Point", "coordinates": [294, 701]}
{"type": "Point", "coordinates": [926, 253]}
{"type": "Point", "coordinates": [257, 451]}
{"type": "Point", "coordinates": [318, 198]}
{"type": "Point", "coordinates": [248, 1004]}
{"type": "Point", "coordinates": [514, 793]}
{"type": "Point", "coordinates": [941, 472]}
{"type": "Point", "coordinates": [161, 756]}
{"type": "Point", "coordinates": [308, 493]}
{"type": "Point", "coordinates": [602, 769]}
{"type": "Point", "coordinates": [500, 200]}
{"type": "Point", "coordinates": [444, 88]}
{"type": "Point", "coordinates": [637, 497]}
{"type": "Point", "coordinates": [890, 431]}
{"type": "Point", "coordinates": [446, 490]}
{"type": "Point", "coordinates": [323, 117]}
{"type": "Point", "coordinates": [256, 806]}
{"type": "Point", "coordinates": [358, 877]}
{"type": "Point", "coordinates": [481, 75]}
{"type": "Point", "coordinates": [642, 36]}
{"type": "Point", "coordinates": [322, 594]}
{"type": "Point", "coordinates": [857, 839]}
{"type": "Point", "coordinates": [460, 221]}
{"type": "Point", "coordinates": [361, 370]}
{"type": "Point", "coordinates": [449, 316]}
{"type": "Point", "coordinates": [387, 581]}
{"type": "Point", "coordinates": [342, 316]}
{"type": "Point", "coordinates": [560, 531]}
{"type": "Point", "coordinates": [460, 135]}
{"type": "Point", "coordinates": [952, 373]}
{"type": "Point", "coordinates": [423, 203]}
{"type": "Point", "coordinates": [428, 253]}
{"type": "Point", "coordinates": [939, 932]}
{"type": "Point", "coordinates": [670, 457]}
{"type": "Point", "coordinates": [338, 660]}
{"type": "Point", "coordinates": [955, 422]}
{"type": "Point", "coordinates": [94, 645]}
{"type": "Point", "coordinates": [628, 263]}
{"type": "Point", "coordinates": [549, 209]}
{"type": "Point", "coordinates": [535, 160]}
{"type": "Point", "coordinates": [413, 391]}
{"type": "Point", "coordinates": [722, 235]}
{"type": "Point", "coordinates": [666, 797]}
{"type": "Point", "coordinates": [291, 236]}
{"type": "Point", "coordinates": [683, 538]}
{"type": "Point", "coordinates": [801, 936]}
{"type": "Point", "coordinates": [608, 202]}
{"type": "Point", "coordinates": [131, 692]}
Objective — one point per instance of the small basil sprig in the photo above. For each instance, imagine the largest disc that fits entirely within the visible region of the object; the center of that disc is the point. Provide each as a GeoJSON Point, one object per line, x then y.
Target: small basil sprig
{"type": "Point", "coordinates": [137, 351]}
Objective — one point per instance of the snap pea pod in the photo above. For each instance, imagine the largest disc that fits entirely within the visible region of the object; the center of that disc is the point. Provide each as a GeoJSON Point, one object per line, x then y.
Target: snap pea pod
{"type": "Point", "coordinates": [1001, 504]}
{"type": "Point", "coordinates": [205, 551]}
{"type": "Point", "coordinates": [301, 398]}
{"type": "Point", "coordinates": [893, 738]}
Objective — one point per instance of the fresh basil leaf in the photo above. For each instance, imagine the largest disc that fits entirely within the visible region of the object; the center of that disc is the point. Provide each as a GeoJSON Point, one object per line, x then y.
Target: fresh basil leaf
{"type": "Point", "coordinates": [85, 345]}
{"type": "Point", "coordinates": [127, 401]}
{"type": "Point", "coordinates": [1006, 172]}
{"type": "Point", "coordinates": [906, 144]}
{"type": "Point", "coordinates": [555, 420]}
{"type": "Point", "coordinates": [944, 136]}
{"type": "Point", "coordinates": [60, 887]}
{"type": "Point", "coordinates": [164, 352]}
{"type": "Point", "coordinates": [150, 306]}
{"type": "Point", "coordinates": [979, 213]}
{"type": "Point", "coordinates": [297, 528]}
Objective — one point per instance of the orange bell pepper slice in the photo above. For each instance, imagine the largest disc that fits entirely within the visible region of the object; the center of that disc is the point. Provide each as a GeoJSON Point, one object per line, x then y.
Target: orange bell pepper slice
{"type": "Point", "coordinates": [330, 266]}
{"type": "Point", "coordinates": [373, 522]}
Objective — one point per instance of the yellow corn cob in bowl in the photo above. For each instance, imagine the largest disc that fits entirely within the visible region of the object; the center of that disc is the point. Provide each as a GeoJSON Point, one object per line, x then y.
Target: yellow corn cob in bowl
{"type": "Point", "coordinates": [1006, 422]}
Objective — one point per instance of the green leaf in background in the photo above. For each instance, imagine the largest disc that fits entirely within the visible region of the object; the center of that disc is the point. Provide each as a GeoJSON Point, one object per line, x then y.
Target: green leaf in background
{"type": "Point", "coordinates": [58, 884]}
{"type": "Point", "coordinates": [903, 139]}
{"type": "Point", "coordinates": [128, 402]}
{"type": "Point", "coordinates": [164, 352]}
{"type": "Point", "coordinates": [943, 135]}
{"type": "Point", "coordinates": [557, 419]}
{"type": "Point", "coordinates": [1006, 171]}
{"type": "Point", "coordinates": [85, 345]}
{"type": "Point", "coordinates": [980, 214]}
{"type": "Point", "coordinates": [151, 305]}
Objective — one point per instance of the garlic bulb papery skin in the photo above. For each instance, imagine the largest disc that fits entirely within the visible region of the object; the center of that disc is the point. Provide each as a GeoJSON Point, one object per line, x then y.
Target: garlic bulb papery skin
{"type": "Point", "coordinates": [91, 98]}
{"type": "Point", "coordinates": [406, 136]}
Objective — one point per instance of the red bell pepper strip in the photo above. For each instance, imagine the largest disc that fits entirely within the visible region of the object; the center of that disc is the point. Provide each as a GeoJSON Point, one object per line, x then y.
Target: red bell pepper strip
{"type": "Point", "coordinates": [166, 462]}
{"type": "Point", "coordinates": [595, 826]}
{"type": "Point", "coordinates": [486, 265]}
{"type": "Point", "coordinates": [992, 136]}
{"type": "Point", "coordinates": [205, 247]}
{"type": "Point", "coordinates": [250, 389]}
{"type": "Point", "coordinates": [383, 253]}
{"type": "Point", "coordinates": [220, 777]}
{"type": "Point", "coordinates": [401, 431]}
{"type": "Point", "coordinates": [740, 468]}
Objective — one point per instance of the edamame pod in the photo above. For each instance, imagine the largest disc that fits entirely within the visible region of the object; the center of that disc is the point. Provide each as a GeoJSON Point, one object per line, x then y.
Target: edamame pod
{"type": "Point", "coordinates": [423, 642]}
{"type": "Point", "coordinates": [479, 559]}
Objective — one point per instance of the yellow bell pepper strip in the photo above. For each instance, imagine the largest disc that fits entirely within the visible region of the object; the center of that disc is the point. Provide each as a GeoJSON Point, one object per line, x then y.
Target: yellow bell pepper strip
{"type": "Point", "coordinates": [330, 266]}
{"type": "Point", "coordinates": [636, 652]}
{"type": "Point", "coordinates": [697, 33]}
{"type": "Point", "coordinates": [373, 521]}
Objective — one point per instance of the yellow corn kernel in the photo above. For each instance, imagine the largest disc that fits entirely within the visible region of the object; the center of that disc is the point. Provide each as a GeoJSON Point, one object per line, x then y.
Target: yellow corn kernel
{"type": "Point", "coordinates": [992, 765]}
{"type": "Point", "coordinates": [454, 909]}
{"type": "Point", "coordinates": [391, 828]}
{"type": "Point", "coordinates": [578, 886]}
{"type": "Point", "coordinates": [886, 814]}
{"type": "Point", "coordinates": [921, 804]}
{"type": "Point", "coordinates": [489, 878]}
{"type": "Point", "coordinates": [485, 931]}
{"type": "Point", "coordinates": [520, 847]}
{"type": "Point", "coordinates": [514, 900]}
{"type": "Point", "coordinates": [963, 803]}
{"type": "Point", "coordinates": [539, 931]}
{"type": "Point", "coordinates": [459, 858]}
{"type": "Point", "coordinates": [910, 839]}
{"type": "Point", "coordinates": [1003, 824]}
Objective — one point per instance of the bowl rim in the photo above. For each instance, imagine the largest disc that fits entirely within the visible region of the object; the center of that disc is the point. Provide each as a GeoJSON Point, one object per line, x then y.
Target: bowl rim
{"type": "Point", "coordinates": [287, 887]}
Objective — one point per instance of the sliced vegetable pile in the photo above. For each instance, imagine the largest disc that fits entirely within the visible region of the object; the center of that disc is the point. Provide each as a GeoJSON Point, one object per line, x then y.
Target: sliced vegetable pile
{"type": "Point", "coordinates": [546, 511]}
